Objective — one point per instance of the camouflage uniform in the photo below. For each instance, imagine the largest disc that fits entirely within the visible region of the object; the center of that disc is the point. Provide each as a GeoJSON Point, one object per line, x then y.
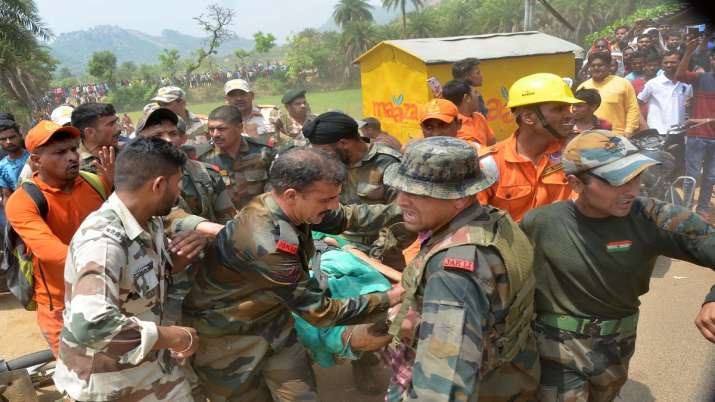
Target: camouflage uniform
{"type": "Point", "coordinates": [291, 129]}
{"type": "Point", "coordinates": [245, 175]}
{"type": "Point", "coordinates": [241, 302]}
{"type": "Point", "coordinates": [87, 159]}
{"type": "Point", "coordinates": [258, 126]}
{"type": "Point", "coordinates": [196, 129]}
{"type": "Point", "coordinates": [473, 285]}
{"type": "Point", "coordinates": [116, 287]}
{"type": "Point", "coordinates": [203, 198]}
{"type": "Point", "coordinates": [591, 272]}
{"type": "Point", "coordinates": [364, 185]}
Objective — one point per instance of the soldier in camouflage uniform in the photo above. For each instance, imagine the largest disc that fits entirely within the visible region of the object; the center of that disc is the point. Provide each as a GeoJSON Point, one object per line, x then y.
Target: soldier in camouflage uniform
{"type": "Point", "coordinates": [472, 283]}
{"type": "Point", "coordinates": [255, 124]}
{"type": "Point", "coordinates": [338, 134]}
{"type": "Point", "coordinates": [174, 99]}
{"type": "Point", "coordinates": [289, 123]}
{"type": "Point", "coordinates": [99, 125]}
{"type": "Point", "coordinates": [204, 203]}
{"type": "Point", "coordinates": [112, 346]}
{"type": "Point", "coordinates": [243, 161]}
{"type": "Point", "coordinates": [241, 302]}
{"type": "Point", "coordinates": [593, 259]}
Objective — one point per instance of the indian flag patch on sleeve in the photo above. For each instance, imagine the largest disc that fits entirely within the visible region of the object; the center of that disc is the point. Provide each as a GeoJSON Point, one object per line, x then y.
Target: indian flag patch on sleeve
{"type": "Point", "coordinates": [619, 246]}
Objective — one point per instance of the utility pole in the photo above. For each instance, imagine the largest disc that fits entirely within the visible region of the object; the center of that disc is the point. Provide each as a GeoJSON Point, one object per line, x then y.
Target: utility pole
{"type": "Point", "coordinates": [529, 6]}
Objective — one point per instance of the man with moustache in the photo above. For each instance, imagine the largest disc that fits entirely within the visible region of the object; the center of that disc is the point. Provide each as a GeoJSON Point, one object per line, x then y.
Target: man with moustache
{"type": "Point", "coordinates": [243, 161]}
{"type": "Point", "coordinates": [69, 196]}
{"type": "Point", "coordinates": [593, 259]}
{"type": "Point", "coordinates": [241, 300]}
{"type": "Point", "coordinates": [99, 127]}
{"type": "Point", "coordinates": [238, 93]}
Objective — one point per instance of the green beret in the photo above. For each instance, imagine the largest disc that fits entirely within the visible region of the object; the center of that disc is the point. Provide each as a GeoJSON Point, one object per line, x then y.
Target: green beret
{"type": "Point", "coordinates": [292, 95]}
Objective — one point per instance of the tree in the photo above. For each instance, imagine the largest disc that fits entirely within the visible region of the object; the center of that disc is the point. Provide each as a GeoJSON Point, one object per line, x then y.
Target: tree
{"type": "Point", "coordinates": [25, 65]}
{"type": "Point", "coordinates": [65, 72]}
{"type": "Point", "coordinates": [215, 22]}
{"type": "Point", "coordinates": [402, 4]}
{"type": "Point", "coordinates": [241, 54]}
{"type": "Point", "coordinates": [347, 11]}
{"type": "Point", "coordinates": [357, 37]}
{"type": "Point", "coordinates": [169, 62]}
{"type": "Point", "coordinates": [421, 24]}
{"type": "Point", "coordinates": [263, 42]}
{"type": "Point", "coordinates": [126, 70]}
{"type": "Point", "coordinates": [310, 54]}
{"type": "Point", "coordinates": [103, 65]}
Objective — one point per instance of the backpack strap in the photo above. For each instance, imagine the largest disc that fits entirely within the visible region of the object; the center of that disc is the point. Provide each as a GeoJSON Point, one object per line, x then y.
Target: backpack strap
{"type": "Point", "coordinates": [37, 197]}
{"type": "Point", "coordinates": [94, 181]}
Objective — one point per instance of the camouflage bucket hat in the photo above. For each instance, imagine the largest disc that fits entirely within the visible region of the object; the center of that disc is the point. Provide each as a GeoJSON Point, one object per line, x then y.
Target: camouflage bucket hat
{"type": "Point", "coordinates": [604, 154]}
{"type": "Point", "coordinates": [439, 167]}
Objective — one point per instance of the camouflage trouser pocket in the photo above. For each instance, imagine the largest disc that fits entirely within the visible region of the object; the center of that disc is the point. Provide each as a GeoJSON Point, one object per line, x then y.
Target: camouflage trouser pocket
{"type": "Point", "coordinates": [577, 367]}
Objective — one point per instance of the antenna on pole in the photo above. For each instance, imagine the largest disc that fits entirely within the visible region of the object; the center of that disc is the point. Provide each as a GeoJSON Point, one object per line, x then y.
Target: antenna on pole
{"type": "Point", "coordinates": [529, 6]}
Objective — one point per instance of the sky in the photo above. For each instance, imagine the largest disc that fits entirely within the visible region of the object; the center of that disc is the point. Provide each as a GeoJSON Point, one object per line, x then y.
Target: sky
{"type": "Point", "coordinates": [279, 17]}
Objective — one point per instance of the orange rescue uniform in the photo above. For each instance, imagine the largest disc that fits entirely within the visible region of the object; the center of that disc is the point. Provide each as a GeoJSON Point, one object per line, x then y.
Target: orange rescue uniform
{"type": "Point", "coordinates": [476, 129]}
{"type": "Point", "coordinates": [523, 185]}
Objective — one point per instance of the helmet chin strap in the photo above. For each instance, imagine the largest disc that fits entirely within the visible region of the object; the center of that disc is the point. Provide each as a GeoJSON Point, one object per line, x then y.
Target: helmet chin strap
{"type": "Point", "coordinates": [547, 126]}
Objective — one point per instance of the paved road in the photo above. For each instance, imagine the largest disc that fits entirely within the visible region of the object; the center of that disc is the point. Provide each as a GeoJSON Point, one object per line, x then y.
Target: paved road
{"type": "Point", "coordinates": [672, 362]}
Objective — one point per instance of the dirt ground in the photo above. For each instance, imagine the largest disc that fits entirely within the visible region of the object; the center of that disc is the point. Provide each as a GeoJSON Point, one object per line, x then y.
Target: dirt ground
{"type": "Point", "coordinates": [673, 362]}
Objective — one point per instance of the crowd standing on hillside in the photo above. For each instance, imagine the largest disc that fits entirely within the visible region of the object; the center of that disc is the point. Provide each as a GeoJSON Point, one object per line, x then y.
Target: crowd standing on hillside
{"type": "Point", "coordinates": [192, 257]}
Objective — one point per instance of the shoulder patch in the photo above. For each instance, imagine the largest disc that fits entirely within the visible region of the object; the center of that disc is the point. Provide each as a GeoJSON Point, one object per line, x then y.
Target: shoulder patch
{"type": "Point", "coordinates": [387, 150]}
{"type": "Point", "coordinates": [113, 233]}
{"type": "Point", "coordinates": [212, 167]}
{"type": "Point", "coordinates": [552, 169]}
{"type": "Point", "coordinates": [202, 149]}
{"type": "Point", "coordinates": [287, 238]}
{"type": "Point", "coordinates": [461, 258]}
{"type": "Point", "coordinates": [257, 141]}
{"type": "Point", "coordinates": [484, 151]}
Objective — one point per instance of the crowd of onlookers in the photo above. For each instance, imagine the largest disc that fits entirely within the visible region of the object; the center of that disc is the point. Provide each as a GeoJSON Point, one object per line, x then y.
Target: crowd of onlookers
{"type": "Point", "coordinates": [659, 77]}
{"type": "Point", "coordinates": [96, 91]}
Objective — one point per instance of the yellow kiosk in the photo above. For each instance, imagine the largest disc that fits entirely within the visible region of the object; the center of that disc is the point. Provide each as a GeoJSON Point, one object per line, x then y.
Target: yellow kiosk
{"type": "Point", "coordinates": [394, 74]}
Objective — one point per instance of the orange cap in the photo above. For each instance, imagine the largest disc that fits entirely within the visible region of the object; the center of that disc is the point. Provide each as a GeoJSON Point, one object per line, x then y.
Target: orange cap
{"type": "Point", "coordinates": [43, 131]}
{"type": "Point", "coordinates": [440, 109]}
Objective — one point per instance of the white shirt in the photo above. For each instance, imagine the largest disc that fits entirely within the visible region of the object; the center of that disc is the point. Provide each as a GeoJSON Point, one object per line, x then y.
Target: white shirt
{"type": "Point", "coordinates": [666, 102]}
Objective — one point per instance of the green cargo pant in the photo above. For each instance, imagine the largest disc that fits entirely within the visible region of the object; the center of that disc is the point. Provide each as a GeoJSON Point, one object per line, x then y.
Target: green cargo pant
{"type": "Point", "coordinates": [582, 368]}
{"type": "Point", "coordinates": [246, 368]}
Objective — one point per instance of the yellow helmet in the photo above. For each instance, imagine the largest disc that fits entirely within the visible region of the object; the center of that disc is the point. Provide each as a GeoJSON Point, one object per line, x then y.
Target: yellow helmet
{"type": "Point", "coordinates": [540, 88]}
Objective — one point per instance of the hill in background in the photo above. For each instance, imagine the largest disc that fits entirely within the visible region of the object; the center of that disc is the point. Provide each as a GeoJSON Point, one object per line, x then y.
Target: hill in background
{"type": "Point", "coordinates": [74, 49]}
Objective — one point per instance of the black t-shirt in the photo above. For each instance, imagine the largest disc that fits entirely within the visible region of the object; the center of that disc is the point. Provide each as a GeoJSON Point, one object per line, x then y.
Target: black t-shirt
{"type": "Point", "coordinates": [589, 267]}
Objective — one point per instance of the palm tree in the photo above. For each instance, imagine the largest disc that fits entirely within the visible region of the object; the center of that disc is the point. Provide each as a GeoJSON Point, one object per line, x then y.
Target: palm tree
{"type": "Point", "coordinates": [18, 16]}
{"type": "Point", "coordinates": [347, 11]}
{"type": "Point", "coordinates": [25, 65]}
{"type": "Point", "coordinates": [402, 4]}
{"type": "Point", "coordinates": [421, 24]}
{"type": "Point", "coordinates": [357, 37]}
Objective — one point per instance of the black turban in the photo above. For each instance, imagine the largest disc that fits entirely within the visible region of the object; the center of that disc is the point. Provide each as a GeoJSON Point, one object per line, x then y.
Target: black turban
{"type": "Point", "coordinates": [330, 127]}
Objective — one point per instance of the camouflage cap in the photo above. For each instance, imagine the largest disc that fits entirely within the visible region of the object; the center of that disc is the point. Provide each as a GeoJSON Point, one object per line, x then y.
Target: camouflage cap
{"type": "Point", "coordinates": [169, 94]}
{"type": "Point", "coordinates": [439, 167]}
{"type": "Point", "coordinates": [153, 115]}
{"type": "Point", "coordinates": [237, 84]}
{"type": "Point", "coordinates": [604, 154]}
